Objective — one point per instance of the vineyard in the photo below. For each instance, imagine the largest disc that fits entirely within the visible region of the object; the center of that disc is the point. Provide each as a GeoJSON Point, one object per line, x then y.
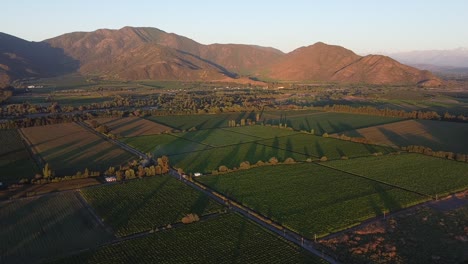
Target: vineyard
{"type": "Point", "coordinates": [38, 228]}
{"type": "Point", "coordinates": [144, 204]}
{"type": "Point", "coordinates": [310, 198]}
{"type": "Point", "coordinates": [428, 175]}
{"type": "Point", "coordinates": [227, 238]}
{"type": "Point", "coordinates": [260, 132]}
{"type": "Point", "coordinates": [316, 146]}
{"type": "Point", "coordinates": [69, 148]}
{"type": "Point", "coordinates": [217, 137]}
{"type": "Point", "coordinates": [230, 156]}
{"type": "Point", "coordinates": [132, 126]}
{"type": "Point", "coordinates": [186, 122]}
{"type": "Point", "coordinates": [15, 161]}
{"type": "Point", "coordinates": [164, 144]}
{"type": "Point", "coordinates": [329, 122]}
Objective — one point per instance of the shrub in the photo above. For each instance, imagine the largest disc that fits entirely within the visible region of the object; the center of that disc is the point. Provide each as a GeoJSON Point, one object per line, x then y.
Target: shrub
{"type": "Point", "coordinates": [190, 218]}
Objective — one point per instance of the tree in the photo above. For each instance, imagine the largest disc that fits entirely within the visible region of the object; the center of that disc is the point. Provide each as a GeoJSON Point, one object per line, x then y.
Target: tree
{"type": "Point", "coordinates": [46, 171]}
{"type": "Point", "coordinates": [163, 162]}
{"type": "Point", "coordinates": [141, 172]}
{"type": "Point", "coordinates": [190, 218]}
{"type": "Point", "coordinates": [244, 165]}
{"type": "Point", "coordinates": [223, 168]}
{"type": "Point", "coordinates": [273, 161]}
{"type": "Point", "coordinates": [323, 158]}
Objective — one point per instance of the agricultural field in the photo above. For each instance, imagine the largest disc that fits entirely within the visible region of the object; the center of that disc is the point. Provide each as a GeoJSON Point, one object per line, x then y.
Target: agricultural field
{"type": "Point", "coordinates": [69, 148]}
{"type": "Point", "coordinates": [269, 115]}
{"type": "Point", "coordinates": [15, 161]}
{"type": "Point", "coordinates": [261, 132]}
{"type": "Point", "coordinates": [217, 137]}
{"type": "Point", "coordinates": [164, 144]}
{"type": "Point", "coordinates": [142, 205]}
{"type": "Point", "coordinates": [186, 122]}
{"type": "Point", "coordinates": [227, 238]}
{"type": "Point", "coordinates": [132, 126]}
{"type": "Point", "coordinates": [431, 234]}
{"type": "Point", "coordinates": [231, 156]}
{"type": "Point", "coordinates": [310, 198]}
{"type": "Point", "coordinates": [420, 173]}
{"type": "Point", "coordinates": [438, 135]}
{"type": "Point", "coordinates": [317, 146]}
{"type": "Point", "coordinates": [35, 229]}
{"type": "Point", "coordinates": [327, 122]}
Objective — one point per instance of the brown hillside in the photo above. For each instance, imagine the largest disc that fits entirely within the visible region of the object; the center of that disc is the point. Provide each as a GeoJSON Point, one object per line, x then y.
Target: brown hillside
{"type": "Point", "coordinates": [317, 62]}
{"type": "Point", "coordinates": [131, 55]}
{"type": "Point", "coordinates": [377, 69]}
{"type": "Point", "coordinates": [20, 59]}
{"type": "Point", "coordinates": [234, 57]}
{"type": "Point", "coordinates": [322, 62]}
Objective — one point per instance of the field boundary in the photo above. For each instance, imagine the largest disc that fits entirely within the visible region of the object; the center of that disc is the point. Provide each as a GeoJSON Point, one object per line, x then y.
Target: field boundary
{"type": "Point", "coordinates": [259, 219]}
{"type": "Point", "coordinates": [375, 180]}
{"type": "Point", "coordinates": [32, 151]}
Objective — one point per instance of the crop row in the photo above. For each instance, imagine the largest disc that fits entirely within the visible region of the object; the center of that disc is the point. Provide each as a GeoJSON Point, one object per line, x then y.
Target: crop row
{"type": "Point", "coordinates": [46, 226]}
{"type": "Point", "coordinates": [224, 239]}
{"type": "Point", "coordinates": [310, 198]}
{"type": "Point", "coordinates": [141, 205]}
{"type": "Point", "coordinates": [420, 173]}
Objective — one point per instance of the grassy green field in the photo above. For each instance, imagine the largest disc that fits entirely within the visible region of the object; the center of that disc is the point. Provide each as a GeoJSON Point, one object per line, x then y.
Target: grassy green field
{"type": "Point", "coordinates": [46, 226]}
{"type": "Point", "coordinates": [15, 161]}
{"type": "Point", "coordinates": [416, 172]}
{"type": "Point", "coordinates": [317, 146]}
{"type": "Point", "coordinates": [217, 137]}
{"type": "Point", "coordinates": [227, 238]}
{"type": "Point", "coordinates": [261, 131]}
{"type": "Point", "coordinates": [230, 156]}
{"type": "Point", "coordinates": [143, 204]}
{"type": "Point", "coordinates": [310, 198]}
{"type": "Point", "coordinates": [164, 144]}
{"type": "Point", "coordinates": [185, 122]}
{"type": "Point", "coordinates": [330, 122]}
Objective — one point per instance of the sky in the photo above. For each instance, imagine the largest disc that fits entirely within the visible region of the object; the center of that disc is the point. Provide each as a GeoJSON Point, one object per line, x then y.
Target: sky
{"type": "Point", "coordinates": [363, 26]}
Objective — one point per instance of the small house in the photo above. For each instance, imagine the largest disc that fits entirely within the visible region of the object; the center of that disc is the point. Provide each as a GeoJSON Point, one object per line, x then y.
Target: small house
{"type": "Point", "coordinates": [110, 179]}
{"type": "Point", "coordinates": [197, 174]}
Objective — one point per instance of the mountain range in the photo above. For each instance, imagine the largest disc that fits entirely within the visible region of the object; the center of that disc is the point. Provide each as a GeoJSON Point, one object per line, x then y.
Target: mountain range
{"type": "Point", "coordinates": [455, 58]}
{"type": "Point", "coordinates": [149, 53]}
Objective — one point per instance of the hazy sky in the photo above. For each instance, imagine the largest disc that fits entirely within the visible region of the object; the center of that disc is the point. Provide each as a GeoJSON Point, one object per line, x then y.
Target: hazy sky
{"type": "Point", "coordinates": [361, 25]}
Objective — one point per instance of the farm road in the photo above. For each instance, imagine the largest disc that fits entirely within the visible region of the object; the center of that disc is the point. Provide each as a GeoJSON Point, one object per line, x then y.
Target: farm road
{"type": "Point", "coordinates": [282, 231]}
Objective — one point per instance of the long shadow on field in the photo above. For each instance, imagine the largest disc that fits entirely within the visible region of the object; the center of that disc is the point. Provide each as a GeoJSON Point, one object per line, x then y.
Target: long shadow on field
{"type": "Point", "coordinates": [320, 128]}
{"type": "Point", "coordinates": [116, 124]}
{"type": "Point", "coordinates": [394, 137]}
{"type": "Point", "coordinates": [340, 152]}
{"type": "Point", "coordinates": [231, 158]}
{"type": "Point", "coordinates": [319, 149]}
{"type": "Point", "coordinates": [123, 215]}
{"type": "Point", "coordinates": [387, 199]}
{"type": "Point", "coordinates": [239, 242]}
{"type": "Point", "coordinates": [200, 204]}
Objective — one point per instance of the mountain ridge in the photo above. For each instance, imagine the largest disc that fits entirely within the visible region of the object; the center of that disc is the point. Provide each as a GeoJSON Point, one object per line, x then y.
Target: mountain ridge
{"type": "Point", "coordinates": [132, 53]}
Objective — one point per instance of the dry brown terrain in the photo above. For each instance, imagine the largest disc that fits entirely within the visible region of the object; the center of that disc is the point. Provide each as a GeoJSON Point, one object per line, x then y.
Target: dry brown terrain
{"type": "Point", "coordinates": [322, 62]}
{"type": "Point", "coordinates": [434, 233]}
{"type": "Point", "coordinates": [437, 135]}
{"type": "Point", "coordinates": [132, 126]}
{"type": "Point", "coordinates": [69, 148]}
